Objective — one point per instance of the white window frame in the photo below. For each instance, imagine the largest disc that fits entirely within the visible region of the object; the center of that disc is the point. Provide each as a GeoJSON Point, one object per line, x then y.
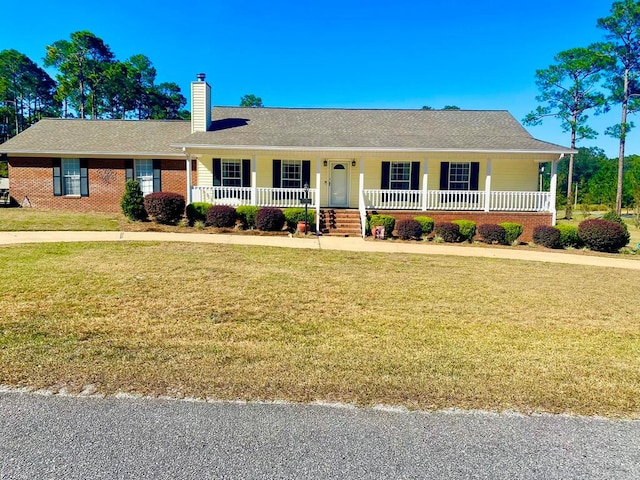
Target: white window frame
{"type": "Point", "coordinates": [144, 175]}
{"type": "Point", "coordinates": [459, 176]}
{"type": "Point", "coordinates": [70, 172]}
{"type": "Point", "coordinates": [291, 174]}
{"type": "Point", "coordinates": [400, 176]}
{"type": "Point", "coordinates": [227, 180]}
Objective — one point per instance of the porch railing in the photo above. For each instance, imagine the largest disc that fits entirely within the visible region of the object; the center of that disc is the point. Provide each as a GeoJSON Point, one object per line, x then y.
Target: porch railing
{"type": "Point", "coordinates": [264, 197]}
{"type": "Point", "coordinates": [457, 200]}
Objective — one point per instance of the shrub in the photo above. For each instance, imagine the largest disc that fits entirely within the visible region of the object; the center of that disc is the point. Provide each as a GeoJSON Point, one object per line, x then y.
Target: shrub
{"type": "Point", "coordinates": [427, 224]}
{"type": "Point", "coordinates": [569, 236]}
{"type": "Point", "coordinates": [132, 202]}
{"type": "Point", "coordinates": [165, 207]}
{"type": "Point", "coordinates": [409, 228]}
{"type": "Point", "coordinates": [221, 216]}
{"type": "Point", "coordinates": [603, 235]}
{"type": "Point", "coordinates": [467, 229]}
{"type": "Point", "coordinates": [247, 215]}
{"type": "Point", "coordinates": [613, 217]}
{"type": "Point", "coordinates": [512, 231]}
{"type": "Point", "coordinates": [386, 221]}
{"type": "Point", "coordinates": [197, 212]}
{"type": "Point", "coordinates": [449, 232]}
{"type": "Point", "coordinates": [492, 233]}
{"type": "Point", "coordinates": [547, 236]}
{"type": "Point", "coordinates": [296, 214]}
{"type": "Point", "coordinates": [270, 219]}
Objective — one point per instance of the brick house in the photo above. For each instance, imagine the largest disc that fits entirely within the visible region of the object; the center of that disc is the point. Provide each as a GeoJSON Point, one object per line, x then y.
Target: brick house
{"type": "Point", "coordinates": [452, 164]}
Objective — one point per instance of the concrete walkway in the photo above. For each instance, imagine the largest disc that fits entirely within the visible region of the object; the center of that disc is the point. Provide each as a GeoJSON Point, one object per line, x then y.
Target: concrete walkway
{"type": "Point", "coordinates": [354, 244]}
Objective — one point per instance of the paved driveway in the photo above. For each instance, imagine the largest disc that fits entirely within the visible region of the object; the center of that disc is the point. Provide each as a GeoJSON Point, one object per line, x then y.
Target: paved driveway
{"type": "Point", "coordinates": [59, 437]}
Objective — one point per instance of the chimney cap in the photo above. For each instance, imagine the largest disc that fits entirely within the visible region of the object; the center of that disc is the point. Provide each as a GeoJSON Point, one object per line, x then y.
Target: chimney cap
{"type": "Point", "coordinates": [200, 77]}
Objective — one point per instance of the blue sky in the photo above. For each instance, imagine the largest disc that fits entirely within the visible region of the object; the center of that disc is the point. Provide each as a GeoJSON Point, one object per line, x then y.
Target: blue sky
{"type": "Point", "coordinates": [345, 54]}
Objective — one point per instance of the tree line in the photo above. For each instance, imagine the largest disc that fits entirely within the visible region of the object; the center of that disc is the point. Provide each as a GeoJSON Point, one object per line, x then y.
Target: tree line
{"type": "Point", "coordinates": [595, 79]}
{"type": "Point", "coordinates": [90, 83]}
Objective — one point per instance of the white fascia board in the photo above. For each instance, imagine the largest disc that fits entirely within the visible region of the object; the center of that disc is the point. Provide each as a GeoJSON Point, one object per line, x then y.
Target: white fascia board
{"type": "Point", "coordinates": [70, 154]}
{"type": "Point", "coordinates": [366, 149]}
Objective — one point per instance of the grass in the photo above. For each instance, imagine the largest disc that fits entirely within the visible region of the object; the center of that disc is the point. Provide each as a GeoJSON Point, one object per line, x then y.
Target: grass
{"type": "Point", "coordinates": [28, 219]}
{"type": "Point", "coordinates": [239, 322]}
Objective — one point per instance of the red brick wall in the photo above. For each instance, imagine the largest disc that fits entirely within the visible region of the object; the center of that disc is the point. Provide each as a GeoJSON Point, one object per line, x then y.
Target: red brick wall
{"type": "Point", "coordinates": [528, 220]}
{"type": "Point", "coordinates": [33, 178]}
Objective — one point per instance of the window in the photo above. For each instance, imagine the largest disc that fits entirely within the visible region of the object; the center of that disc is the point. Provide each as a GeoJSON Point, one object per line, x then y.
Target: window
{"type": "Point", "coordinates": [400, 176]}
{"type": "Point", "coordinates": [231, 173]}
{"type": "Point", "coordinates": [146, 172]}
{"type": "Point", "coordinates": [459, 176]}
{"type": "Point", "coordinates": [70, 177]}
{"type": "Point", "coordinates": [291, 174]}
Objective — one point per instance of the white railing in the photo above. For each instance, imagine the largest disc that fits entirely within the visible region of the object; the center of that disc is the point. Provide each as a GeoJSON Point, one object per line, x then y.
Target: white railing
{"type": "Point", "coordinates": [265, 197]}
{"type": "Point", "coordinates": [393, 199]}
{"type": "Point", "coordinates": [460, 200]}
{"type": "Point", "coordinates": [520, 201]}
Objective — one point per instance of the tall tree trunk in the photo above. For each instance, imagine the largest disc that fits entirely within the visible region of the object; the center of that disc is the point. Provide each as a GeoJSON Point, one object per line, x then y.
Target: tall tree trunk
{"type": "Point", "coordinates": [623, 134]}
{"type": "Point", "coordinates": [569, 209]}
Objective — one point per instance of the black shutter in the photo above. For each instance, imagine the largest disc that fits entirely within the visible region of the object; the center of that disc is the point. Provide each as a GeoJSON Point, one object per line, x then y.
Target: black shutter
{"type": "Point", "coordinates": [246, 173]}
{"type": "Point", "coordinates": [128, 168]}
{"type": "Point", "coordinates": [217, 172]}
{"type": "Point", "coordinates": [57, 177]}
{"type": "Point", "coordinates": [474, 176]}
{"type": "Point", "coordinates": [444, 176]}
{"type": "Point", "coordinates": [386, 172]}
{"type": "Point", "coordinates": [306, 172]}
{"type": "Point", "coordinates": [84, 178]}
{"type": "Point", "coordinates": [157, 181]}
{"type": "Point", "coordinates": [277, 173]}
{"type": "Point", "coordinates": [415, 175]}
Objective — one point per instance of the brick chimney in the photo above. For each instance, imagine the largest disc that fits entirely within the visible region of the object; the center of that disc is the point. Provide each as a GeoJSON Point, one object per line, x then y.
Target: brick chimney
{"type": "Point", "coordinates": [200, 104]}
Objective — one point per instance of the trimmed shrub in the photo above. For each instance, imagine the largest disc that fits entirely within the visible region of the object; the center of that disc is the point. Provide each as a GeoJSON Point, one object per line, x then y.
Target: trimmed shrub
{"type": "Point", "coordinates": [132, 202]}
{"type": "Point", "coordinates": [493, 234]}
{"type": "Point", "coordinates": [449, 232]}
{"type": "Point", "coordinates": [386, 221]}
{"type": "Point", "coordinates": [270, 219]}
{"type": "Point", "coordinates": [296, 214]}
{"type": "Point", "coordinates": [512, 231]}
{"type": "Point", "coordinates": [427, 224]}
{"type": "Point", "coordinates": [603, 235]}
{"type": "Point", "coordinates": [165, 207]}
{"type": "Point", "coordinates": [197, 212]}
{"type": "Point", "coordinates": [569, 236]}
{"type": "Point", "coordinates": [221, 216]}
{"type": "Point", "coordinates": [467, 229]}
{"type": "Point", "coordinates": [409, 228]}
{"type": "Point", "coordinates": [247, 215]}
{"type": "Point", "coordinates": [613, 217]}
{"type": "Point", "coordinates": [547, 236]}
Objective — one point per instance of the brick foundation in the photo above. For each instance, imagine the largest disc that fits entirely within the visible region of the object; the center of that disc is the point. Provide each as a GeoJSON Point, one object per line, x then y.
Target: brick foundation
{"type": "Point", "coordinates": [528, 220]}
{"type": "Point", "coordinates": [32, 179]}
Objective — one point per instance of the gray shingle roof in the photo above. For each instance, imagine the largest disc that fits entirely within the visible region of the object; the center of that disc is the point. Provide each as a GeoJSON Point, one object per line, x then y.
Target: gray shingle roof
{"type": "Point", "coordinates": [122, 138]}
{"type": "Point", "coordinates": [464, 130]}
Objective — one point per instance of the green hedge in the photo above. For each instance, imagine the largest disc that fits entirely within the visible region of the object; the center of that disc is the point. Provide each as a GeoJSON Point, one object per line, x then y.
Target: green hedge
{"type": "Point", "coordinates": [467, 229]}
{"type": "Point", "coordinates": [512, 231]}
{"type": "Point", "coordinates": [386, 221]}
{"type": "Point", "coordinates": [427, 224]}
{"type": "Point", "coordinates": [247, 215]}
{"type": "Point", "coordinates": [296, 214]}
{"type": "Point", "coordinates": [197, 212]}
{"type": "Point", "coordinates": [569, 236]}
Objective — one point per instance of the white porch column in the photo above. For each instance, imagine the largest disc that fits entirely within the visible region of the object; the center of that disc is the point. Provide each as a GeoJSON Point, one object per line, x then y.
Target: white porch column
{"type": "Point", "coordinates": [317, 194]}
{"type": "Point", "coordinates": [487, 187]}
{"type": "Point", "coordinates": [554, 186]}
{"type": "Point", "coordinates": [425, 183]}
{"type": "Point", "coordinates": [189, 180]}
{"type": "Point", "coordinates": [254, 180]}
{"type": "Point", "coordinates": [361, 186]}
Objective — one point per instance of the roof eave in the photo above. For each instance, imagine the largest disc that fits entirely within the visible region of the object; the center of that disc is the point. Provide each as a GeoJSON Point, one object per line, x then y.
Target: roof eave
{"type": "Point", "coordinates": [72, 154]}
{"type": "Point", "coordinates": [368, 149]}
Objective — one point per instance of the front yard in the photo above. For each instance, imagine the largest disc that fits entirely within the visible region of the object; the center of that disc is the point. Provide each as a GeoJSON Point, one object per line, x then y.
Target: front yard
{"type": "Point", "coordinates": [236, 322]}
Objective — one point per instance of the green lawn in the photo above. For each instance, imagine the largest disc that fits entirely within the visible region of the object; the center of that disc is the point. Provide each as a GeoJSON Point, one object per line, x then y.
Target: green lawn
{"type": "Point", "coordinates": [28, 219]}
{"type": "Point", "coordinates": [239, 322]}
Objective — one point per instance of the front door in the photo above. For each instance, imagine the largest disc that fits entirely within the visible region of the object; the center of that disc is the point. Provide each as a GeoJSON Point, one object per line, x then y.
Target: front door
{"type": "Point", "coordinates": [339, 184]}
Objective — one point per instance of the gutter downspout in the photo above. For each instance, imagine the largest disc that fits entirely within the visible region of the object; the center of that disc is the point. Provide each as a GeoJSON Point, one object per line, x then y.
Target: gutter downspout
{"type": "Point", "coordinates": [189, 179]}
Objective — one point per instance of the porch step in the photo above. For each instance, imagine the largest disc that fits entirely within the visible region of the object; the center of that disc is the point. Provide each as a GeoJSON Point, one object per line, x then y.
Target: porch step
{"type": "Point", "coordinates": [340, 222]}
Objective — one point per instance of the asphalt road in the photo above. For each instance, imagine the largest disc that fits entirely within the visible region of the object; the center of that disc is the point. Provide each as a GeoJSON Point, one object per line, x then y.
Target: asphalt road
{"type": "Point", "coordinates": [58, 437]}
